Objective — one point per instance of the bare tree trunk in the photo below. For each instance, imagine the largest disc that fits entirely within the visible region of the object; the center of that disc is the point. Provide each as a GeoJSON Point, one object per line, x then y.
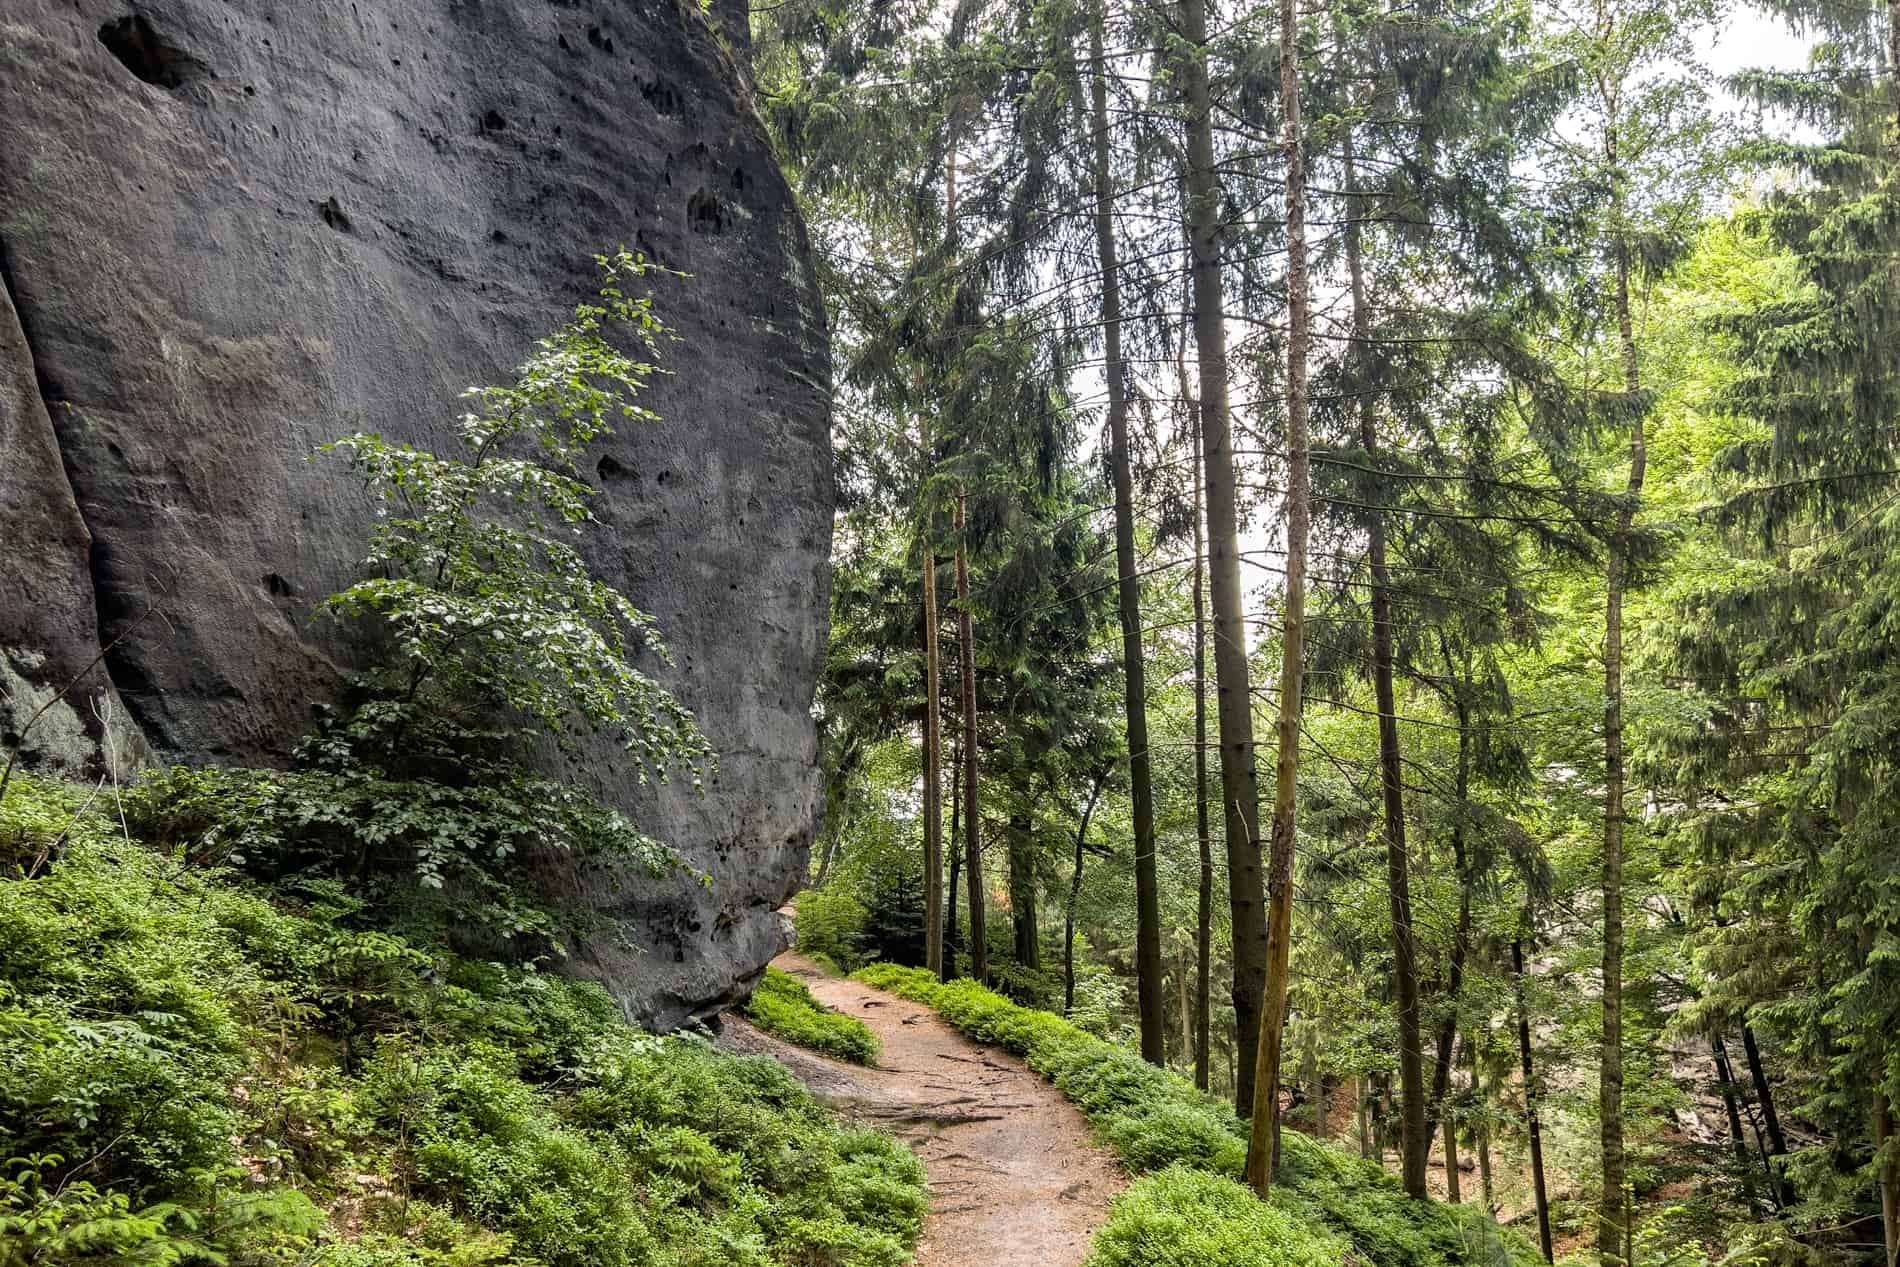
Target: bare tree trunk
{"type": "Point", "coordinates": [950, 937]}
{"type": "Point", "coordinates": [1022, 890]}
{"type": "Point", "coordinates": [1359, 1114]}
{"type": "Point", "coordinates": [1317, 1077]}
{"type": "Point", "coordinates": [1481, 1129]}
{"type": "Point", "coordinates": [1187, 1007]}
{"type": "Point", "coordinates": [933, 773]}
{"type": "Point", "coordinates": [825, 858]}
{"type": "Point", "coordinates": [1771, 1121]}
{"type": "Point", "coordinates": [1887, 1171]}
{"type": "Point", "coordinates": [1075, 895]}
{"type": "Point", "coordinates": [1415, 1131]}
{"type": "Point", "coordinates": [1453, 1181]}
{"type": "Point", "coordinates": [1726, 1077]}
{"type": "Point", "coordinates": [1533, 1128]}
{"type": "Point", "coordinates": [1613, 1219]}
{"type": "Point", "coordinates": [1150, 1002]}
{"type": "Point", "coordinates": [1240, 793]}
{"type": "Point", "coordinates": [1204, 897]}
{"type": "Point", "coordinates": [1888, 1177]}
{"type": "Point", "coordinates": [1263, 1144]}
{"type": "Point", "coordinates": [972, 843]}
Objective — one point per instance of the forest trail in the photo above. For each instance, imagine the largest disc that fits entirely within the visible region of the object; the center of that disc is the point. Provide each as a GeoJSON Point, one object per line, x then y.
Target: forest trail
{"type": "Point", "coordinates": [1014, 1179]}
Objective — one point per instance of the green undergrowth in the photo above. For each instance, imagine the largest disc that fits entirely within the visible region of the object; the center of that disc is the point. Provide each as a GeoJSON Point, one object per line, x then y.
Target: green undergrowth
{"type": "Point", "coordinates": [782, 1006]}
{"type": "Point", "coordinates": [197, 1069]}
{"type": "Point", "coordinates": [1188, 1209]}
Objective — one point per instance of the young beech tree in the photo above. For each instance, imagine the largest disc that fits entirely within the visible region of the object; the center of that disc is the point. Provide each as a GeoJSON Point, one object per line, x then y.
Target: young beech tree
{"type": "Point", "coordinates": [498, 637]}
{"type": "Point", "coordinates": [1634, 151]}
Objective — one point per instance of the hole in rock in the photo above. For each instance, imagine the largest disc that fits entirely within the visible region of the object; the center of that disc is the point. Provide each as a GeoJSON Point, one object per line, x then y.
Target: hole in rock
{"type": "Point", "coordinates": [149, 55]}
{"type": "Point", "coordinates": [493, 121]}
{"type": "Point", "coordinates": [278, 586]}
{"type": "Point", "coordinates": [609, 468]}
{"type": "Point", "coordinates": [706, 214]}
{"type": "Point", "coordinates": [333, 215]}
{"type": "Point", "coordinates": [664, 97]}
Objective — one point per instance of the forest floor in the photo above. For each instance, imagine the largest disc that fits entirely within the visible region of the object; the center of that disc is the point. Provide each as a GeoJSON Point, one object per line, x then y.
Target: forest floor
{"type": "Point", "coordinates": [1014, 1179]}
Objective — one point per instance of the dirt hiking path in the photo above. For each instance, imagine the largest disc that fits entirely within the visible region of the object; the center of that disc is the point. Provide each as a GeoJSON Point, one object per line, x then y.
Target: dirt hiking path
{"type": "Point", "coordinates": [1014, 1180]}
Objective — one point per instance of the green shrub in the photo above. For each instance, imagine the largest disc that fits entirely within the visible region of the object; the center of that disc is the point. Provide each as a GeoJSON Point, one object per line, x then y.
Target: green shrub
{"type": "Point", "coordinates": [124, 999]}
{"type": "Point", "coordinates": [783, 1006]}
{"type": "Point", "coordinates": [193, 1067]}
{"type": "Point", "coordinates": [1182, 1217]}
{"type": "Point", "coordinates": [831, 922]}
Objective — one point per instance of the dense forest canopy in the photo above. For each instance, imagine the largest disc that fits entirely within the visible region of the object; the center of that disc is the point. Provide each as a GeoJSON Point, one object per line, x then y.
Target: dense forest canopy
{"type": "Point", "coordinates": [1367, 573]}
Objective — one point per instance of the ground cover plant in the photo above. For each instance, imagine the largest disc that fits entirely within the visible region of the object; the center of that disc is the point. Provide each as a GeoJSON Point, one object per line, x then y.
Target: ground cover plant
{"type": "Point", "coordinates": [197, 1068]}
{"type": "Point", "coordinates": [784, 1007]}
{"type": "Point", "coordinates": [1190, 1150]}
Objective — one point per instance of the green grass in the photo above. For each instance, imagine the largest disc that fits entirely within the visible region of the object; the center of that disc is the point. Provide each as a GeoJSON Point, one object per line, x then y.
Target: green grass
{"type": "Point", "coordinates": [1192, 1149]}
{"type": "Point", "coordinates": [784, 1007]}
{"type": "Point", "coordinates": [195, 1068]}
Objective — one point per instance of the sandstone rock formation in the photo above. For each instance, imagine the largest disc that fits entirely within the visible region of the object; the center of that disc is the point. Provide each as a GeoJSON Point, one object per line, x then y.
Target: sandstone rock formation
{"type": "Point", "coordinates": [233, 229]}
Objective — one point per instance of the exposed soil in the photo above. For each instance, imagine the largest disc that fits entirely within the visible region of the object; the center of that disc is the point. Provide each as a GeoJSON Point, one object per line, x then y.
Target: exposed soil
{"type": "Point", "coordinates": [1014, 1180]}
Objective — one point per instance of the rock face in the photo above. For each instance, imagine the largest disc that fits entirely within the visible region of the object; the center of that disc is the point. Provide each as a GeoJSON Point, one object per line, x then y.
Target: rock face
{"type": "Point", "coordinates": [233, 229]}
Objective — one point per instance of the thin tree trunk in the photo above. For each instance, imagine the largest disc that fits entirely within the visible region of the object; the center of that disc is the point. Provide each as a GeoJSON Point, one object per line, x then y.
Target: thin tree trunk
{"type": "Point", "coordinates": [1075, 895]}
{"type": "Point", "coordinates": [1461, 939]}
{"type": "Point", "coordinates": [950, 938]}
{"type": "Point", "coordinates": [1240, 793]}
{"type": "Point", "coordinates": [1765, 1096]}
{"type": "Point", "coordinates": [1415, 1131]}
{"type": "Point", "coordinates": [1204, 897]}
{"type": "Point", "coordinates": [1533, 1128]}
{"type": "Point", "coordinates": [1453, 1180]}
{"type": "Point", "coordinates": [1481, 1128]}
{"type": "Point", "coordinates": [825, 859]}
{"type": "Point", "coordinates": [1150, 1001]}
{"type": "Point", "coordinates": [933, 772]}
{"type": "Point", "coordinates": [1613, 1218]}
{"type": "Point", "coordinates": [1022, 890]}
{"type": "Point", "coordinates": [1888, 1177]}
{"type": "Point", "coordinates": [1726, 1077]}
{"type": "Point", "coordinates": [1359, 1114]}
{"type": "Point", "coordinates": [1187, 1008]}
{"type": "Point", "coordinates": [1382, 1095]}
{"type": "Point", "coordinates": [1887, 1170]}
{"type": "Point", "coordinates": [1264, 1142]}
{"type": "Point", "coordinates": [1318, 1078]}
{"type": "Point", "coordinates": [972, 844]}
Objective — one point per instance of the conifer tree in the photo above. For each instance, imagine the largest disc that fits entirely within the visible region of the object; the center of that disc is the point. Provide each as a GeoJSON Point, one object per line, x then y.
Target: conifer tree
{"type": "Point", "coordinates": [1264, 1141]}
{"type": "Point", "coordinates": [1128, 583]}
{"type": "Point", "coordinates": [1240, 794]}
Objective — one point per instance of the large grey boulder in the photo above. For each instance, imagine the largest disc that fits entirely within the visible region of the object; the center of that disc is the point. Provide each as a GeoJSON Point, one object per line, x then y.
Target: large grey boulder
{"type": "Point", "coordinates": [233, 229]}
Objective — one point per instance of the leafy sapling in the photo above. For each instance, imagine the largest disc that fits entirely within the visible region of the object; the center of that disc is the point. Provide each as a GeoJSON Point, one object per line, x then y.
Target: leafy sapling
{"type": "Point", "coordinates": [500, 642]}
{"type": "Point", "coordinates": [486, 598]}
